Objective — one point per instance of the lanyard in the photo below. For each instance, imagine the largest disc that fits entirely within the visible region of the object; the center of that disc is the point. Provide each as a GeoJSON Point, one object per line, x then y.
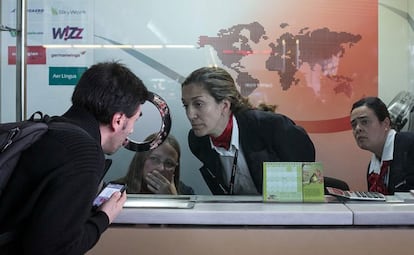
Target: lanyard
{"type": "Point", "coordinates": [233, 173]}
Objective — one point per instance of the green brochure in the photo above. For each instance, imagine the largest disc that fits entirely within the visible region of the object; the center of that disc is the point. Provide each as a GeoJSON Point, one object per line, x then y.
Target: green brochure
{"type": "Point", "coordinates": [293, 182]}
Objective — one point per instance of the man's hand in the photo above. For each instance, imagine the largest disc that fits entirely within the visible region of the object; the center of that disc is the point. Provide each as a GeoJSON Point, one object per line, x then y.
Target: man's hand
{"type": "Point", "coordinates": [114, 205]}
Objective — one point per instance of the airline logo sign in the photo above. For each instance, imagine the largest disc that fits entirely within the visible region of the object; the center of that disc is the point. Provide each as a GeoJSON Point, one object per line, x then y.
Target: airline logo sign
{"type": "Point", "coordinates": [56, 11]}
{"type": "Point", "coordinates": [65, 75]}
{"type": "Point", "coordinates": [36, 55]}
{"type": "Point", "coordinates": [67, 33]}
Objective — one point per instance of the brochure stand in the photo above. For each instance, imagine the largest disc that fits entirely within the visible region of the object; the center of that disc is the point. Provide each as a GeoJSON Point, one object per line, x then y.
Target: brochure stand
{"type": "Point", "coordinates": [293, 182]}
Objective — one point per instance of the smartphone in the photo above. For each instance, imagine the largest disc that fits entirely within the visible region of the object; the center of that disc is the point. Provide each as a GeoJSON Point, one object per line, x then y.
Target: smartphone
{"type": "Point", "coordinates": [107, 192]}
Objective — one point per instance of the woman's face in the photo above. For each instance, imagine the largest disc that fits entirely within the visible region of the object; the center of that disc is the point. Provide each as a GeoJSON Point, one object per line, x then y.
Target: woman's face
{"type": "Point", "coordinates": [369, 132]}
{"type": "Point", "coordinates": [164, 159]}
{"type": "Point", "coordinates": [206, 116]}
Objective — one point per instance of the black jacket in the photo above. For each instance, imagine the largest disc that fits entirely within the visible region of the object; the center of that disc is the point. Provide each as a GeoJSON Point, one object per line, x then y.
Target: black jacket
{"type": "Point", "coordinates": [50, 194]}
{"type": "Point", "coordinates": [263, 136]}
{"type": "Point", "coordinates": [401, 176]}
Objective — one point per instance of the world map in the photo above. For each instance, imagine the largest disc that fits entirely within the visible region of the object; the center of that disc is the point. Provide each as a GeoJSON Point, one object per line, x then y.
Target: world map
{"type": "Point", "coordinates": [317, 49]}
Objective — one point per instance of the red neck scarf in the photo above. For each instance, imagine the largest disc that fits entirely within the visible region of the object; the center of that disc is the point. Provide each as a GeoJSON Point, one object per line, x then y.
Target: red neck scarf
{"type": "Point", "coordinates": [376, 181]}
{"type": "Point", "coordinates": [224, 139]}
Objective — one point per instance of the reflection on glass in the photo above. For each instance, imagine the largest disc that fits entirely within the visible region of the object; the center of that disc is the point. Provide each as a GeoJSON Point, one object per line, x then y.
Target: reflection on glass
{"type": "Point", "coordinates": [147, 124]}
{"type": "Point", "coordinates": [163, 131]}
{"type": "Point", "coordinates": [156, 171]}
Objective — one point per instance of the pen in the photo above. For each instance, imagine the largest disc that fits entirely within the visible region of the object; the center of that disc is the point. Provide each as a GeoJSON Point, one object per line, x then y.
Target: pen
{"type": "Point", "coordinates": [400, 184]}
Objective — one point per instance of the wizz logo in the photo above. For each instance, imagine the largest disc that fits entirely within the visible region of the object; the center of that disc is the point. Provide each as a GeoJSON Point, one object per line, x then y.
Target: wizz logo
{"type": "Point", "coordinates": [66, 33]}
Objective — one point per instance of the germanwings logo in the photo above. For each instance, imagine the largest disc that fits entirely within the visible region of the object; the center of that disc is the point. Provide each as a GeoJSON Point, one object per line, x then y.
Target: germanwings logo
{"type": "Point", "coordinates": [67, 33]}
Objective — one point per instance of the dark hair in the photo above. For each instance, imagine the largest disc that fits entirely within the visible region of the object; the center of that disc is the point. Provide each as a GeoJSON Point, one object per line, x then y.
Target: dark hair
{"type": "Point", "coordinates": [267, 107]}
{"type": "Point", "coordinates": [107, 88]}
{"type": "Point", "coordinates": [134, 177]}
{"type": "Point", "coordinates": [220, 85]}
{"type": "Point", "coordinates": [375, 104]}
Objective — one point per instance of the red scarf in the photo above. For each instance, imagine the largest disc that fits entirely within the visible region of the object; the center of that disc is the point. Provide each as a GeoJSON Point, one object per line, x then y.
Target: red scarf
{"type": "Point", "coordinates": [224, 139]}
{"type": "Point", "coordinates": [376, 181]}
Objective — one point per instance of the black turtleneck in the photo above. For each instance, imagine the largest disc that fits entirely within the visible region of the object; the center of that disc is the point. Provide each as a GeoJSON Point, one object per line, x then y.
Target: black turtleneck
{"type": "Point", "coordinates": [51, 191]}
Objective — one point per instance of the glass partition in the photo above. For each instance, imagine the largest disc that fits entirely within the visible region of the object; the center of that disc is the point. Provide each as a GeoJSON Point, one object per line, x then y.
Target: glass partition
{"type": "Point", "coordinates": [312, 60]}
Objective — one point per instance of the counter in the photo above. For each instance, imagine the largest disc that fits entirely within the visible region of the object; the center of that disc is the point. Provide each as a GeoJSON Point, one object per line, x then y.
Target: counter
{"type": "Point", "coordinates": [248, 226]}
{"type": "Point", "coordinates": [224, 211]}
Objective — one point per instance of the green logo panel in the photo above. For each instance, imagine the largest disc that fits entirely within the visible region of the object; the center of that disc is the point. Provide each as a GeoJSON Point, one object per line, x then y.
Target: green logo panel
{"type": "Point", "coordinates": [65, 75]}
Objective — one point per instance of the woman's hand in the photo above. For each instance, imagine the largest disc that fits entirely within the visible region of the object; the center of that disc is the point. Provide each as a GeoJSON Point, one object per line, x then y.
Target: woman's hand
{"type": "Point", "coordinates": [158, 184]}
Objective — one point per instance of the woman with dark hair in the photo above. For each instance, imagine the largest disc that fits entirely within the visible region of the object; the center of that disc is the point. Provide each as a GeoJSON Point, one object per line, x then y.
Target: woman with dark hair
{"type": "Point", "coordinates": [157, 171]}
{"type": "Point", "coordinates": [233, 139]}
{"type": "Point", "coordinates": [391, 167]}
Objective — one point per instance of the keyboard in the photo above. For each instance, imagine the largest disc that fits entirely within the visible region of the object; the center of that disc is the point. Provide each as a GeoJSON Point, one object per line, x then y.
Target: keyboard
{"type": "Point", "coordinates": [356, 195]}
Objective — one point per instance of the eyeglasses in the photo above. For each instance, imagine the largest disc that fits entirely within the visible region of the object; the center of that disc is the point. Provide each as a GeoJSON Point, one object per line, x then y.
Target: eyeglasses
{"type": "Point", "coordinates": [168, 164]}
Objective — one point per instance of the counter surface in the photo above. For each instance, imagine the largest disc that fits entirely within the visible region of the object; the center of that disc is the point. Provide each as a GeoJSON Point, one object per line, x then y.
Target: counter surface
{"type": "Point", "coordinates": [382, 213]}
{"type": "Point", "coordinates": [199, 210]}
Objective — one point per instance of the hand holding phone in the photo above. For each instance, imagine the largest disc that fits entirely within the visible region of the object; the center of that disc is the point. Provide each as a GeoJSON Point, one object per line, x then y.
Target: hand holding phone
{"type": "Point", "coordinates": [107, 192]}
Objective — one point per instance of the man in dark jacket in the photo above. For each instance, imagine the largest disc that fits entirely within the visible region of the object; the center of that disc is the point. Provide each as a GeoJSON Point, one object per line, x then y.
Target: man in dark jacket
{"type": "Point", "coordinates": [48, 202]}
